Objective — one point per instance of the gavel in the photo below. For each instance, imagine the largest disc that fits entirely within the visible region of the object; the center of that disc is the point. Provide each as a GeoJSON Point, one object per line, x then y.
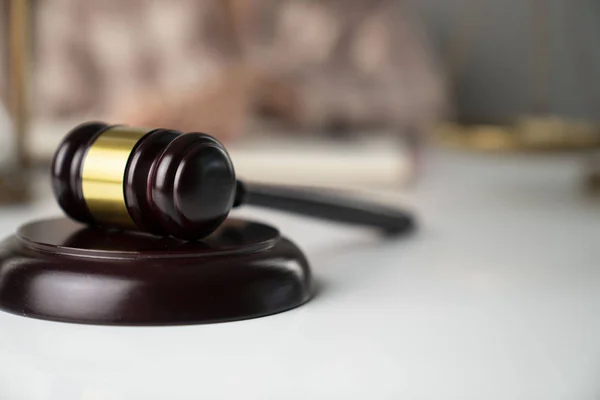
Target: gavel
{"type": "Point", "coordinates": [168, 183]}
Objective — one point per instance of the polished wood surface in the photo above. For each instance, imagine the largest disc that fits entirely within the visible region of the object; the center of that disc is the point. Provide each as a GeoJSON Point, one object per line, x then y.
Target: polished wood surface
{"type": "Point", "coordinates": [66, 170]}
{"type": "Point", "coordinates": [141, 165]}
{"type": "Point", "coordinates": [60, 270]}
{"type": "Point", "coordinates": [192, 187]}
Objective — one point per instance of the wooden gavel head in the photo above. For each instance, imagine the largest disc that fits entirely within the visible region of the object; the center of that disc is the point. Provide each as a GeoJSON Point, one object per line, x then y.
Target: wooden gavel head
{"type": "Point", "coordinates": [158, 181]}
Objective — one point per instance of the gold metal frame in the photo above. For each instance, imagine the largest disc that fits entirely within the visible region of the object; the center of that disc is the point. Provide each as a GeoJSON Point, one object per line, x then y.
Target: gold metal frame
{"type": "Point", "coordinates": [18, 49]}
{"type": "Point", "coordinates": [532, 134]}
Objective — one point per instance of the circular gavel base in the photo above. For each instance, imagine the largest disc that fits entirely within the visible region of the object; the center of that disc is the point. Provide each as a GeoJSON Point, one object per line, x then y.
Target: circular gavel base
{"type": "Point", "coordinates": [59, 270]}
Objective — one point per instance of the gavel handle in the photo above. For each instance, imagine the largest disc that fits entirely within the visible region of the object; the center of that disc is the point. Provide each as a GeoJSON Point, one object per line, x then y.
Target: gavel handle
{"type": "Point", "coordinates": [324, 204]}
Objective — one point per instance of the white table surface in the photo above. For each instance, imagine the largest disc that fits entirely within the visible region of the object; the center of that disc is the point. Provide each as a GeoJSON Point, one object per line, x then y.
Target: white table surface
{"type": "Point", "coordinates": [496, 297]}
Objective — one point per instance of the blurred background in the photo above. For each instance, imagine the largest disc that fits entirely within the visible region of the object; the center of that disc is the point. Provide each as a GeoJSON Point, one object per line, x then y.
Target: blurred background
{"type": "Point", "coordinates": [342, 93]}
{"type": "Point", "coordinates": [482, 115]}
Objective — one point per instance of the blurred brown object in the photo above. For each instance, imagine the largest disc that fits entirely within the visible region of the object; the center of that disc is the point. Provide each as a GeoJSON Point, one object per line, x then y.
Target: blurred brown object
{"type": "Point", "coordinates": [220, 107]}
{"type": "Point", "coordinates": [211, 65]}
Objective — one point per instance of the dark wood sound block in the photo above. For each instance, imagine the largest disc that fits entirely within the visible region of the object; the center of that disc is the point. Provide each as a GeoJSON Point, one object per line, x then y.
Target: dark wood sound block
{"type": "Point", "coordinates": [59, 270]}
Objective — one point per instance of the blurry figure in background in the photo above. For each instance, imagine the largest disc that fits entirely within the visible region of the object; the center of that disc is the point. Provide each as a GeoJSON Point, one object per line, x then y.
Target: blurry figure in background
{"type": "Point", "coordinates": [215, 65]}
